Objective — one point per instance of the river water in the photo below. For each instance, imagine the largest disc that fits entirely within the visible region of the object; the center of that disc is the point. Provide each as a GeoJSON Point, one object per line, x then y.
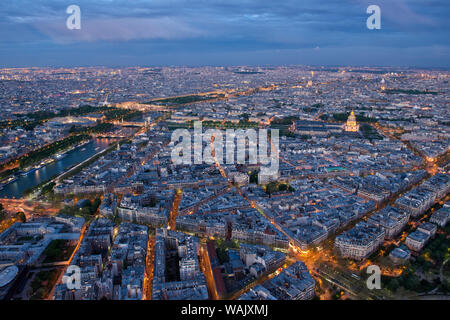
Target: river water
{"type": "Point", "coordinates": [77, 155]}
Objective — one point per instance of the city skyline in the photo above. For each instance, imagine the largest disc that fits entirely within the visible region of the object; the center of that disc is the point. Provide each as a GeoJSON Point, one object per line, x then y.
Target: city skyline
{"type": "Point", "coordinates": [95, 200]}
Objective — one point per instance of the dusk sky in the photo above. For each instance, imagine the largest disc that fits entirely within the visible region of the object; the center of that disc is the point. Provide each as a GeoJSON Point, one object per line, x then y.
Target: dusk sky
{"type": "Point", "coordinates": [225, 32]}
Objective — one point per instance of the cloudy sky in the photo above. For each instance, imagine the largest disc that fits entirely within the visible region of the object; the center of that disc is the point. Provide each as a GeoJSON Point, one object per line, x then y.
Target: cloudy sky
{"type": "Point", "coordinates": [224, 32]}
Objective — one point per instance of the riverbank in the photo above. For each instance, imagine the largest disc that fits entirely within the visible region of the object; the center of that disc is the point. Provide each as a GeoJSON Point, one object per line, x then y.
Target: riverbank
{"type": "Point", "coordinates": [50, 171]}
{"type": "Point", "coordinates": [33, 160]}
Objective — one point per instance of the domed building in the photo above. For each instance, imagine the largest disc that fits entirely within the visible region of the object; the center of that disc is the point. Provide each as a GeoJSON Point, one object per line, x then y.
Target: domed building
{"type": "Point", "coordinates": [7, 275]}
{"type": "Point", "coordinates": [383, 84]}
{"type": "Point", "coordinates": [351, 125]}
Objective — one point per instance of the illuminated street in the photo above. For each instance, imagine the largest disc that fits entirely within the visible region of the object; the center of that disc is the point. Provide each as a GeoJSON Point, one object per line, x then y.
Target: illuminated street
{"type": "Point", "coordinates": [147, 294]}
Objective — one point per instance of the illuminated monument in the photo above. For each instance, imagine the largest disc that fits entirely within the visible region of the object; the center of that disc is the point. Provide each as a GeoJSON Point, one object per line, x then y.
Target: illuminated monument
{"type": "Point", "coordinates": [351, 125]}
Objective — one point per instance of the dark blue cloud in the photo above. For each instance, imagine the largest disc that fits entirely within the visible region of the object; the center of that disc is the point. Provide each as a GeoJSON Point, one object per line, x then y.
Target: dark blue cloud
{"type": "Point", "coordinates": [192, 32]}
